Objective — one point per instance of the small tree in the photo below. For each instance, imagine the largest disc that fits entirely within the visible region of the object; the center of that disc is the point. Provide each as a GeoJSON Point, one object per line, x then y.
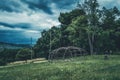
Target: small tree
{"type": "Point", "coordinates": [2, 62]}
{"type": "Point", "coordinates": [24, 54]}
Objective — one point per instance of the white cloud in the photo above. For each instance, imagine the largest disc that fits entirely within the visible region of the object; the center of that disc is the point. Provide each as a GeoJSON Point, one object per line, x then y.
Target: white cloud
{"type": "Point", "coordinates": [104, 1]}
{"type": "Point", "coordinates": [109, 3]}
{"type": "Point", "coordinates": [39, 20]}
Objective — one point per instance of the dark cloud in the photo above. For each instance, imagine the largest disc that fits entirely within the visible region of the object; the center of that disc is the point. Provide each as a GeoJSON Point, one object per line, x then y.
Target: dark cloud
{"type": "Point", "coordinates": [39, 5]}
{"type": "Point", "coordinates": [22, 36]}
{"type": "Point", "coordinates": [7, 25]}
{"type": "Point", "coordinates": [64, 4]}
{"type": "Point", "coordinates": [23, 25]}
{"type": "Point", "coordinates": [12, 36]}
{"type": "Point", "coordinates": [9, 6]}
{"type": "Point", "coordinates": [19, 25]}
{"type": "Point", "coordinates": [35, 5]}
{"type": "Point", "coordinates": [45, 4]}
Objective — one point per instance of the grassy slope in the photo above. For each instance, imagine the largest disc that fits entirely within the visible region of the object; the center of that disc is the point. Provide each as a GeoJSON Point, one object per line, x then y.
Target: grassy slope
{"type": "Point", "coordinates": [83, 68]}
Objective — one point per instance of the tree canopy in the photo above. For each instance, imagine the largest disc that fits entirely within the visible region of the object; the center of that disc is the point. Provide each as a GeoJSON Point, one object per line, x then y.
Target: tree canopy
{"type": "Point", "coordinates": [24, 54]}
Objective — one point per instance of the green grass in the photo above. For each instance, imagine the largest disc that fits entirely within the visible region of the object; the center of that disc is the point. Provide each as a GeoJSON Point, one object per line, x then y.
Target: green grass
{"type": "Point", "coordinates": [80, 68]}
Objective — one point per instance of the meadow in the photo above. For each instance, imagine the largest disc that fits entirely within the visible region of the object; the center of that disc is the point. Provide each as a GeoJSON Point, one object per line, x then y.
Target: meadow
{"type": "Point", "coordinates": [79, 68]}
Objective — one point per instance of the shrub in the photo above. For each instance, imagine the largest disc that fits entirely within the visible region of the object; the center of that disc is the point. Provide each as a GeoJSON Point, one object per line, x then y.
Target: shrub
{"type": "Point", "coordinates": [2, 62]}
{"type": "Point", "coordinates": [24, 54]}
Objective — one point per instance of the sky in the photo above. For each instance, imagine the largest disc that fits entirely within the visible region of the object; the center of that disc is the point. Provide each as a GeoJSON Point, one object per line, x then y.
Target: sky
{"type": "Point", "coordinates": [22, 19]}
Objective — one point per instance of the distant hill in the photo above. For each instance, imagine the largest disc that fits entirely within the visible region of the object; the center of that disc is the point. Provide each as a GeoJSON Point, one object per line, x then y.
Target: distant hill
{"type": "Point", "coordinates": [13, 46]}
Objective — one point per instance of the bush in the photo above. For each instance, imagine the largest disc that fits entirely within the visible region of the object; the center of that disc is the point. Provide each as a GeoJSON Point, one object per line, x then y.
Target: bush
{"type": "Point", "coordinates": [2, 62]}
{"type": "Point", "coordinates": [7, 56]}
{"type": "Point", "coordinates": [24, 54]}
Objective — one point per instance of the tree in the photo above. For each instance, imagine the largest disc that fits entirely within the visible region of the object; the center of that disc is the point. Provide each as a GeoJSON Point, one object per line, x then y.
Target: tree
{"type": "Point", "coordinates": [110, 28]}
{"type": "Point", "coordinates": [50, 37]}
{"type": "Point", "coordinates": [24, 54]}
{"type": "Point", "coordinates": [2, 62]}
{"type": "Point", "coordinates": [67, 19]}
{"type": "Point", "coordinates": [7, 56]}
{"type": "Point", "coordinates": [91, 9]}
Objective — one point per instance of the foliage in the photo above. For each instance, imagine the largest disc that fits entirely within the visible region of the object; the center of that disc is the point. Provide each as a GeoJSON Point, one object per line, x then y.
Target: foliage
{"type": "Point", "coordinates": [24, 54]}
{"type": "Point", "coordinates": [2, 62]}
{"type": "Point", "coordinates": [7, 55]}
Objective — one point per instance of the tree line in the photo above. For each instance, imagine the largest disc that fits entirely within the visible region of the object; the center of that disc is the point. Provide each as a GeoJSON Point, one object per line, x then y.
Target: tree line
{"type": "Point", "coordinates": [89, 26]}
{"type": "Point", "coordinates": [11, 55]}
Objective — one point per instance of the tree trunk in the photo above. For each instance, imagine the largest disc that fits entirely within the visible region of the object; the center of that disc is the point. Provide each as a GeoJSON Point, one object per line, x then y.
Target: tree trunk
{"type": "Point", "coordinates": [90, 44]}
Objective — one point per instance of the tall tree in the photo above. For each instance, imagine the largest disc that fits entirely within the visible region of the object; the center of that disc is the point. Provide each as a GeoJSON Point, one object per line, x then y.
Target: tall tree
{"type": "Point", "coordinates": [91, 9]}
{"type": "Point", "coordinates": [110, 26]}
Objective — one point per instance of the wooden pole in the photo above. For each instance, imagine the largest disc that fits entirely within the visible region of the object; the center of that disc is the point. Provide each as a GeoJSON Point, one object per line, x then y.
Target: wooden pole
{"type": "Point", "coordinates": [31, 48]}
{"type": "Point", "coordinates": [50, 46]}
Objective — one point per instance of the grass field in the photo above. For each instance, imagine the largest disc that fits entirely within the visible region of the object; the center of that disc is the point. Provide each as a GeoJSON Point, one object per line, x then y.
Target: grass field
{"type": "Point", "coordinates": [80, 68]}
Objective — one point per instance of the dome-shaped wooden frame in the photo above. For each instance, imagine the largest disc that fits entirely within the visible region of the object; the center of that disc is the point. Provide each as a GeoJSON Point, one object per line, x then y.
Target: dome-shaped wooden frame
{"type": "Point", "coordinates": [65, 52]}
